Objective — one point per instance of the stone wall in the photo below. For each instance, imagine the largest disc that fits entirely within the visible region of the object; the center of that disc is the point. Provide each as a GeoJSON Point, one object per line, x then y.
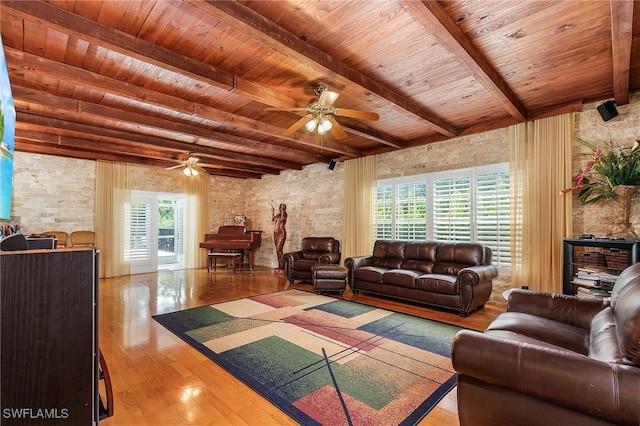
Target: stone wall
{"type": "Point", "coordinates": [621, 131]}
{"type": "Point", "coordinates": [58, 194]}
{"type": "Point", "coordinates": [314, 198]}
{"type": "Point", "coordinates": [54, 192]}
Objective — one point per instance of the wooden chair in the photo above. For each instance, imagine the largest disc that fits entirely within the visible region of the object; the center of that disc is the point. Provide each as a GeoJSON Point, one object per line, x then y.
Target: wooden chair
{"type": "Point", "coordinates": [83, 238]}
{"type": "Point", "coordinates": [106, 391]}
{"type": "Point", "coordinates": [61, 237]}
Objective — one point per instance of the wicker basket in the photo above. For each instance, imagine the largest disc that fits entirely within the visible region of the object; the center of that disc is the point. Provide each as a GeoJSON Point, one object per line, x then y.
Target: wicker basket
{"type": "Point", "coordinates": [590, 258]}
{"type": "Point", "coordinates": [617, 259]}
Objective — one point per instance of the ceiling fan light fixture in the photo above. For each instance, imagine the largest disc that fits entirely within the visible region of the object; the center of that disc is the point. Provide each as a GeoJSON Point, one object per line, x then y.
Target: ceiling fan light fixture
{"type": "Point", "coordinates": [190, 171]}
{"type": "Point", "coordinates": [321, 129]}
{"type": "Point", "coordinates": [326, 124]}
{"type": "Point", "coordinates": [311, 124]}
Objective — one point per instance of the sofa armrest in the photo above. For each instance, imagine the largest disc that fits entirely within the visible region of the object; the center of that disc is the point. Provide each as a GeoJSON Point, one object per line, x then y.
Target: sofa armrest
{"type": "Point", "coordinates": [287, 262]}
{"type": "Point", "coordinates": [604, 390]}
{"type": "Point", "coordinates": [292, 256]}
{"type": "Point", "coordinates": [329, 258]}
{"type": "Point", "coordinates": [477, 274]}
{"type": "Point", "coordinates": [353, 263]}
{"type": "Point", "coordinates": [358, 262]}
{"type": "Point", "coordinates": [563, 308]}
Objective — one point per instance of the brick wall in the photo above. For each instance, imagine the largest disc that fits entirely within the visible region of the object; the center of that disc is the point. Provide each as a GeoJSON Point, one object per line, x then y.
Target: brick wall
{"type": "Point", "coordinates": [621, 131]}
{"type": "Point", "coordinates": [314, 200]}
{"type": "Point", "coordinates": [53, 192]}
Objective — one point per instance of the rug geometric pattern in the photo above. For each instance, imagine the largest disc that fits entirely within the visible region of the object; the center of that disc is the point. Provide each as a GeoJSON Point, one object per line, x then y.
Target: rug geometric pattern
{"type": "Point", "coordinates": [323, 360]}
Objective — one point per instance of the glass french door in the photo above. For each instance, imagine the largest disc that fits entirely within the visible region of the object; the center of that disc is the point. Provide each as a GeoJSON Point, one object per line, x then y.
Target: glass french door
{"type": "Point", "coordinates": [155, 231]}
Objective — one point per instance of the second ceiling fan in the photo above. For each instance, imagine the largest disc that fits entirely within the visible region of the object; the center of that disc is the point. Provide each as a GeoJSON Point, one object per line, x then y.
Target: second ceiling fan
{"type": "Point", "coordinates": [321, 115]}
{"type": "Point", "coordinates": [189, 166]}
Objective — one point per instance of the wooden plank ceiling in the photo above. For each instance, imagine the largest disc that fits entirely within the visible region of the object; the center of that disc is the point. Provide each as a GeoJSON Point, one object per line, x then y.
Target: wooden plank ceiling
{"type": "Point", "coordinates": [151, 82]}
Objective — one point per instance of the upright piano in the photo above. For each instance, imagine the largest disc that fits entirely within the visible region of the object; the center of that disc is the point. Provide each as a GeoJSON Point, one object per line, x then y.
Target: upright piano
{"type": "Point", "coordinates": [232, 237]}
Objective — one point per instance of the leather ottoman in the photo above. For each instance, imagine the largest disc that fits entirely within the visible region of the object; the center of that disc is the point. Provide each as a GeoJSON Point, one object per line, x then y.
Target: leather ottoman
{"type": "Point", "coordinates": [325, 277]}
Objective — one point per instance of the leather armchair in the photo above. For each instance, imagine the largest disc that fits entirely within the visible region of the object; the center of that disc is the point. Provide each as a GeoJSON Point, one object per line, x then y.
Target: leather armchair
{"type": "Point", "coordinates": [313, 250]}
{"type": "Point", "coordinates": [554, 359]}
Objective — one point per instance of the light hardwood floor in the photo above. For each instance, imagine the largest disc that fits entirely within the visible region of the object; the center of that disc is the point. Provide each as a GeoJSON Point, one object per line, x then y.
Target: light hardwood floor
{"type": "Point", "coordinates": [160, 380]}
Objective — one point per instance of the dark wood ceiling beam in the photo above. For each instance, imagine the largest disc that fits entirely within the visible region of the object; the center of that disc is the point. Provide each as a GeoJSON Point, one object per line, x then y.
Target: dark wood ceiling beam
{"type": "Point", "coordinates": [28, 63]}
{"type": "Point", "coordinates": [269, 165]}
{"type": "Point", "coordinates": [51, 16]}
{"type": "Point", "coordinates": [27, 129]}
{"type": "Point", "coordinates": [67, 119]}
{"type": "Point", "coordinates": [377, 136]}
{"type": "Point", "coordinates": [25, 145]}
{"type": "Point", "coordinates": [212, 138]}
{"type": "Point", "coordinates": [621, 42]}
{"type": "Point", "coordinates": [436, 20]}
{"type": "Point", "coordinates": [277, 38]}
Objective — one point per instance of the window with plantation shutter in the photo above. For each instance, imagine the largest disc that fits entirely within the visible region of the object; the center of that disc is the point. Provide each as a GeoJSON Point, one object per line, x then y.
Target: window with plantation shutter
{"type": "Point", "coordinates": [493, 215]}
{"type": "Point", "coordinates": [384, 212]}
{"type": "Point", "coordinates": [452, 208]}
{"type": "Point", "coordinates": [138, 222]}
{"type": "Point", "coordinates": [457, 205]}
{"type": "Point", "coordinates": [411, 211]}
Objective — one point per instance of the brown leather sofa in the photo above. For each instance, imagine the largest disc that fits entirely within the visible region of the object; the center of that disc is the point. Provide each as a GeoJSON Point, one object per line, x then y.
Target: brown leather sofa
{"type": "Point", "coordinates": [313, 250]}
{"type": "Point", "coordinates": [554, 360]}
{"type": "Point", "coordinates": [450, 275]}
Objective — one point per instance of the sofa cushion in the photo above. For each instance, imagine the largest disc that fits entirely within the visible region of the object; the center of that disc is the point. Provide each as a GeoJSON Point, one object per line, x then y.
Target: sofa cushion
{"type": "Point", "coordinates": [400, 277]}
{"type": "Point", "coordinates": [452, 257]}
{"type": "Point", "coordinates": [421, 250]}
{"type": "Point", "coordinates": [370, 273]}
{"type": "Point", "coordinates": [625, 303]}
{"type": "Point", "coordinates": [603, 340]}
{"type": "Point", "coordinates": [389, 249]}
{"type": "Point", "coordinates": [556, 333]}
{"type": "Point", "coordinates": [425, 266]}
{"type": "Point", "coordinates": [437, 283]}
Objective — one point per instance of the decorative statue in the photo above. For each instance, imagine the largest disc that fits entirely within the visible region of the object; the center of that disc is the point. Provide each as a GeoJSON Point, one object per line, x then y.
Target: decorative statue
{"type": "Point", "coordinates": [279, 231]}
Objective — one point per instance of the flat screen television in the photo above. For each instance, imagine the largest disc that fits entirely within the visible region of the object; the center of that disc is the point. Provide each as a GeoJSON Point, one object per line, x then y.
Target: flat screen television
{"type": "Point", "coordinates": [7, 138]}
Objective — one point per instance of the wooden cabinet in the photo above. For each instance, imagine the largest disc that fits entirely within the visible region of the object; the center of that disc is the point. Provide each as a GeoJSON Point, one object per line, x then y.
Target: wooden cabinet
{"type": "Point", "coordinates": [609, 255]}
{"type": "Point", "coordinates": [48, 322]}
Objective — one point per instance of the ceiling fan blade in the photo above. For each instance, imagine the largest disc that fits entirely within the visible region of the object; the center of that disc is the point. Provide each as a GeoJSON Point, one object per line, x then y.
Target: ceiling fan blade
{"type": "Point", "coordinates": [284, 109]}
{"type": "Point", "coordinates": [291, 130]}
{"type": "Point", "coordinates": [327, 98]}
{"type": "Point", "coordinates": [356, 114]}
{"type": "Point", "coordinates": [336, 130]}
{"type": "Point", "coordinates": [174, 167]}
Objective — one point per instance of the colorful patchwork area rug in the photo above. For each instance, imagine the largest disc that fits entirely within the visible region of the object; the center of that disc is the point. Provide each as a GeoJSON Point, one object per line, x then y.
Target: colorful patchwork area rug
{"type": "Point", "coordinates": [326, 361]}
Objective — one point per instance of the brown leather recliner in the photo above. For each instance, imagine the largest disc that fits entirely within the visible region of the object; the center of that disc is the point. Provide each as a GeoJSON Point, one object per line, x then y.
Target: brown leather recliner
{"type": "Point", "coordinates": [554, 360]}
{"type": "Point", "coordinates": [313, 250]}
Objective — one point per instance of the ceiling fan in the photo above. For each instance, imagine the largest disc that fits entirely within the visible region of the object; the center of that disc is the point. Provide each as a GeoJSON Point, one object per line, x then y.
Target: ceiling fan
{"type": "Point", "coordinates": [190, 166]}
{"type": "Point", "coordinates": [321, 114]}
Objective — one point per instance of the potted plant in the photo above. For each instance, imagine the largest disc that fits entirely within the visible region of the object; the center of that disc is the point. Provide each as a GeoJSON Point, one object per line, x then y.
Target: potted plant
{"type": "Point", "coordinates": [606, 171]}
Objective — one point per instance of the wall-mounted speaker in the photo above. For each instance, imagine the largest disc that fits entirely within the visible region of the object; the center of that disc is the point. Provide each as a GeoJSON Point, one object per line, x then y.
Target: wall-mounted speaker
{"type": "Point", "coordinates": [607, 110]}
{"type": "Point", "coordinates": [332, 164]}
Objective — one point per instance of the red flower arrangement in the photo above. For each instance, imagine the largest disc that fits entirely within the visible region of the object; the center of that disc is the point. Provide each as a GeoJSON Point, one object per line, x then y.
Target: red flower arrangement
{"type": "Point", "coordinates": [604, 171]}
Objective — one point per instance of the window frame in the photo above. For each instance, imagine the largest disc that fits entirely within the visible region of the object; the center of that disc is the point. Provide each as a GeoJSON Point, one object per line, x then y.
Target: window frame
{"type": "Point", "coordinates": [430, 178]}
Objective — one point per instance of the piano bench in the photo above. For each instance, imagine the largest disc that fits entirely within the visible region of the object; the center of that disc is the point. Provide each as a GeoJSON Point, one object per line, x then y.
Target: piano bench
{"type": "Point", "coordinates": [234, 258]}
